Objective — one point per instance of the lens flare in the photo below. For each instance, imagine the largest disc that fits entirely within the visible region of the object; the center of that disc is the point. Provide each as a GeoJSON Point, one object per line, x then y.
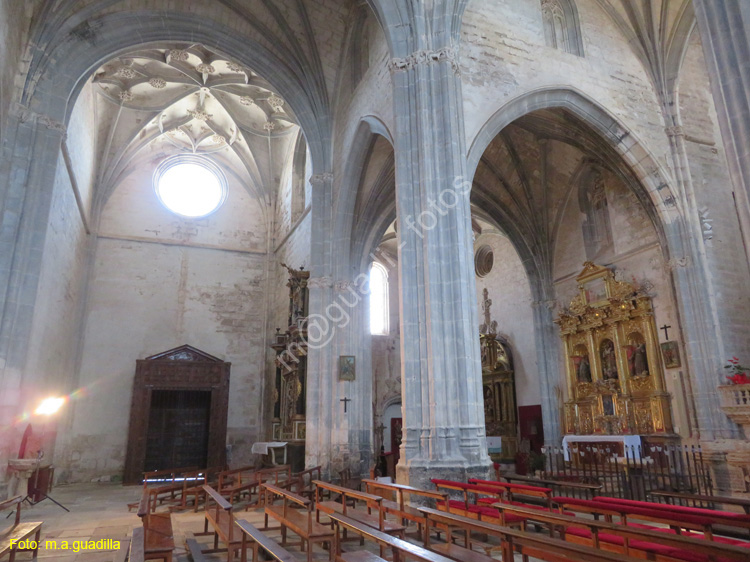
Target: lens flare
{"type": "Point", "coordinates": [49, 406]}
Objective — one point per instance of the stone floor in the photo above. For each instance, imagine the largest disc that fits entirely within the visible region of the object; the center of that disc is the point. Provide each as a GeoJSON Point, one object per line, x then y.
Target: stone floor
{"type": "Point", "coordinates": [99, 511]}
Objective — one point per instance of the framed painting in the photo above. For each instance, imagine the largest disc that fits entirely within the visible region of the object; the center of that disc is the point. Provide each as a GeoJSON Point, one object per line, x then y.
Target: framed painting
{"type": "Point", "coordinates": [671, 353]}
{"type": "Point", "coordinates": [347, 368]}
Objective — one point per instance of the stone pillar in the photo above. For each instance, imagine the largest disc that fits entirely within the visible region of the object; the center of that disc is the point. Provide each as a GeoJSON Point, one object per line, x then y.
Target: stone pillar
{"type": "Point", "coordinates": [725, 33]}
{"type": "Point", "coordinates": [444, 432]}
{"type": "Point", "coordinates": [339, 412]}
{"type": "Point", "coordinates": [31, 146]}
{"type": "Point", "coordinates": [320, 356]}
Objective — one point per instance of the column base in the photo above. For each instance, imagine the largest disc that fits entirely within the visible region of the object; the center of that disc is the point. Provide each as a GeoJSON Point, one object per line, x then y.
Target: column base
{"type": "Point", "coordinates": [418, 473]}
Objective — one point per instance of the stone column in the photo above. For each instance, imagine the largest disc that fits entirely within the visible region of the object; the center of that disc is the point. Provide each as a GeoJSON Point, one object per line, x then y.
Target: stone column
{"type": "Point", "coordinates": [725, 33]}
{"type": "Point", "coordinates": [339, 412]}
{"type": "Point", "coordinates": [30, 155]}
{"type": "Point", "coordinates": [444, 433]}
{"type": "Point", "coordinates": [320, 357]}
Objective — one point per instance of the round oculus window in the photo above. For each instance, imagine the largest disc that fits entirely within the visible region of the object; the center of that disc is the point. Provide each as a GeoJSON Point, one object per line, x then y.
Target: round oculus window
{"type": "Point", "coordinates": [190, 186]}
{"type": "Point", "coordinates": [484, 259]}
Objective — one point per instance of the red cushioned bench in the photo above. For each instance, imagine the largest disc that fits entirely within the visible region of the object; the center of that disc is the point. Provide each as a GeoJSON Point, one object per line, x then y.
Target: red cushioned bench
{"type": "Point", "coordinates": [516, 493]}
{"type": "Point", "coordinates": [727, 518]}
{"type": "Point", "coordinates": [639, 541]}
{"type": "Point", "coordinates": [470, 509]}
{"type": "Point", "coordinates": [609, 508]}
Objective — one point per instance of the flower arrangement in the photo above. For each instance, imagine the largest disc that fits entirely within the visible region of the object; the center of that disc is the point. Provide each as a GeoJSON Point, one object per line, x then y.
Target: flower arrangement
{"type": "Point", "coordinates": [738, 373]}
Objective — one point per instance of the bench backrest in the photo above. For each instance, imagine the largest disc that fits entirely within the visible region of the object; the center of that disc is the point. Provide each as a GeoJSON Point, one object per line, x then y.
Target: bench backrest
{"type": "Point", "coordinates": [371, 500]}
{"type": "Point", "coordinates": [260, 541]}
{"type": "Point", "coordinates": [402, 490]}
{"type": "Point", "coordinates": [538, 546]}
{"type": "Point", "coordinates": [237, 477]}
{"type": "Point", "coordinates": [303, 480]}
{"type": "Point", "coordinates": [467, 489]}
{"type": "Point", "coordinates": [137, 546]}
{"type": "Point", "coordinates": [383, 539]}
{"type": "Point", "coordinates": [628, 533]}
{"type": "Point", "coordinates": [219, 512]}
{"type": "Point", "coordinates": [277, 474]}
{"type": "Point", "coordinates": [166, 475]}
{"type": "Point", "coordinates": [626, 513]}
{"type": "Point", "coordinates": [13, 503]}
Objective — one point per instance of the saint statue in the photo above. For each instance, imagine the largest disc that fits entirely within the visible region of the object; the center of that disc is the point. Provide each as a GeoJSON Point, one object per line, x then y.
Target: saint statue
{"type": "Point", "coordinates": [609, 362]}
{"type": "Point", "coordinates": [584, 370]}
{"type": "Point", "coordinates": [640, 363]}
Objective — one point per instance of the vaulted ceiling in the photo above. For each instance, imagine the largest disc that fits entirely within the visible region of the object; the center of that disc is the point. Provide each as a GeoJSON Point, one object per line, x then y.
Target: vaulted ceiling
{"type": "Point", "coordinates": [188, 99]}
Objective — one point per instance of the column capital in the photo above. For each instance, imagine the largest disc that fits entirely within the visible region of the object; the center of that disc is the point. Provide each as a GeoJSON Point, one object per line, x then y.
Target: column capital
{"type": "Point", "coordinates": [423, 57]}
{"type": "Point", "coordinates": [26, 115]}
{"type": "Point", "coordinates": [318, 179]}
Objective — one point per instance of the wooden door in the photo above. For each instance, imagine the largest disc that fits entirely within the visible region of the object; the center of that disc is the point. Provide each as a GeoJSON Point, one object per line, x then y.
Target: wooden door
{"type": "Point", "coordinates": [178, 411]}
{"type": "Point", "coordinates": [178, 426]}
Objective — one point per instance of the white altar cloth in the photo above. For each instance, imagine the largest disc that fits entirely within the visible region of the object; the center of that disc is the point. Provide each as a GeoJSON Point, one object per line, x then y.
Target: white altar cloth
{"type": "Point", "coordinates": [264, 447]}
{"type": "Point", "coordinates": [632, 442]}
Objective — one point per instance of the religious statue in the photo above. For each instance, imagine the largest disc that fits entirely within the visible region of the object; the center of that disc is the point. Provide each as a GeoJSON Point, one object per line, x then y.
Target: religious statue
{"type": "Point", "coordinates": [640, 363]}
{"type": "Point", "coordinates": [609, 361]}
{"type": "Point", "coordinates": [584, 370]}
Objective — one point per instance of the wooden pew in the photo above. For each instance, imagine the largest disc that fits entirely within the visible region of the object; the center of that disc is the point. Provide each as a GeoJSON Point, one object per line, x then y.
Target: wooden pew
{"type": "Point", "coordinates": [300, 521]}
{"type": "Point", "coordinates": [589, 490]}
{"type": "Point", "coordinates": [137, 551]}
{"type": "Point", "coordinates": [168, 484]}
{"type": "Point", "coordinates": [254, 539]}
{"type": "Point", "coordinates": [521, 493]}
{"type": "Point", "coordinates": [26, 531]}
{"type": "Point", "coordinates": [238, 482]}
{"type": "Point", "coordinates": [511, 540]}
{"type": "Point", "coordinates": [303, 482]}
{"type": "Point", "coordinates": [675, 497]}
{"type": "Point", "coordinates": [611, 508]}
{"type": "Point", "coordinates": [218, 512]}
{"type": "Point", "coordinates": [718, 518]}
{"type": "Point", "coordinates": [471, 509]}
{"type": "Point", "coordinates": [364, 516]}
{"type": "Point", "coordinates": [157, 529]}
{"type": "Point", "coordinates": [399, 507]}
{"type": "Point", "coordinates": [631, 540]}
{"type": "Point", "coordinates": [400, 548]}
{"type": "Point", "coordinates": [206, 477]}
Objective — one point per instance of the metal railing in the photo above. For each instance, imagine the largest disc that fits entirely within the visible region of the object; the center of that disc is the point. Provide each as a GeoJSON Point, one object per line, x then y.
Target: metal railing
{"type": "Point", "coordinates": [629, 472]}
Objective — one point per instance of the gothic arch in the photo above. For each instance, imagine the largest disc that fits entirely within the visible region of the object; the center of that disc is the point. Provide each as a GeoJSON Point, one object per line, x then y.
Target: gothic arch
{"type": "Point", "coordinates": [653, 185]}
{"type": "Point", "coordinates": [350, 240]}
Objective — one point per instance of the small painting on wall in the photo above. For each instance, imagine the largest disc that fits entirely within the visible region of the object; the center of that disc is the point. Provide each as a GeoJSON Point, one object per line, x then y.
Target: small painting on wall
{"type": "Point", "coordinates": [347, 370]}
{"type": "Point", "coordinates": [671, 354]}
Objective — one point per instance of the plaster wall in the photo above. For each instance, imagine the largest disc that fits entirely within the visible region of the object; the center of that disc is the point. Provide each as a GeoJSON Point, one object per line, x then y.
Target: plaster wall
{"type": "Point", "coordinates": [159, 281]}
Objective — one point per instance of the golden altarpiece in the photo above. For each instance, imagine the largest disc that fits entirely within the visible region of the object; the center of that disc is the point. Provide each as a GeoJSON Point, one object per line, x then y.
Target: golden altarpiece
{"type": "Point", "coordinates": [498, 386]}
{"type": "Point", "coordinates": [288, 423]}
{"type": "Point", "coordinates": [614, 373]}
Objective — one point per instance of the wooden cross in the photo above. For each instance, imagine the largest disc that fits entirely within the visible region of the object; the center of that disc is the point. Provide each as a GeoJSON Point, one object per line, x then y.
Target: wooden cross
{"type": "Point", "coordinates": [346, 402]}
{"type": "Point", "coordinates": [666, 331]}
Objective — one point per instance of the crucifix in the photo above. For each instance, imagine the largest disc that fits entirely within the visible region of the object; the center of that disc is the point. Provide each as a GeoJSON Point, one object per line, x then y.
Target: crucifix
{"type": "Point", "coordinates": [666, 331]}
{"type": "Point", "coordinates": [346, 402]}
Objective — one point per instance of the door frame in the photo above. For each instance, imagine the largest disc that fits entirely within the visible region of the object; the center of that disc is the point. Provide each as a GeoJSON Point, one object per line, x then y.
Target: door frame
{"type": "Point", "coordinates": [181, 368]}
